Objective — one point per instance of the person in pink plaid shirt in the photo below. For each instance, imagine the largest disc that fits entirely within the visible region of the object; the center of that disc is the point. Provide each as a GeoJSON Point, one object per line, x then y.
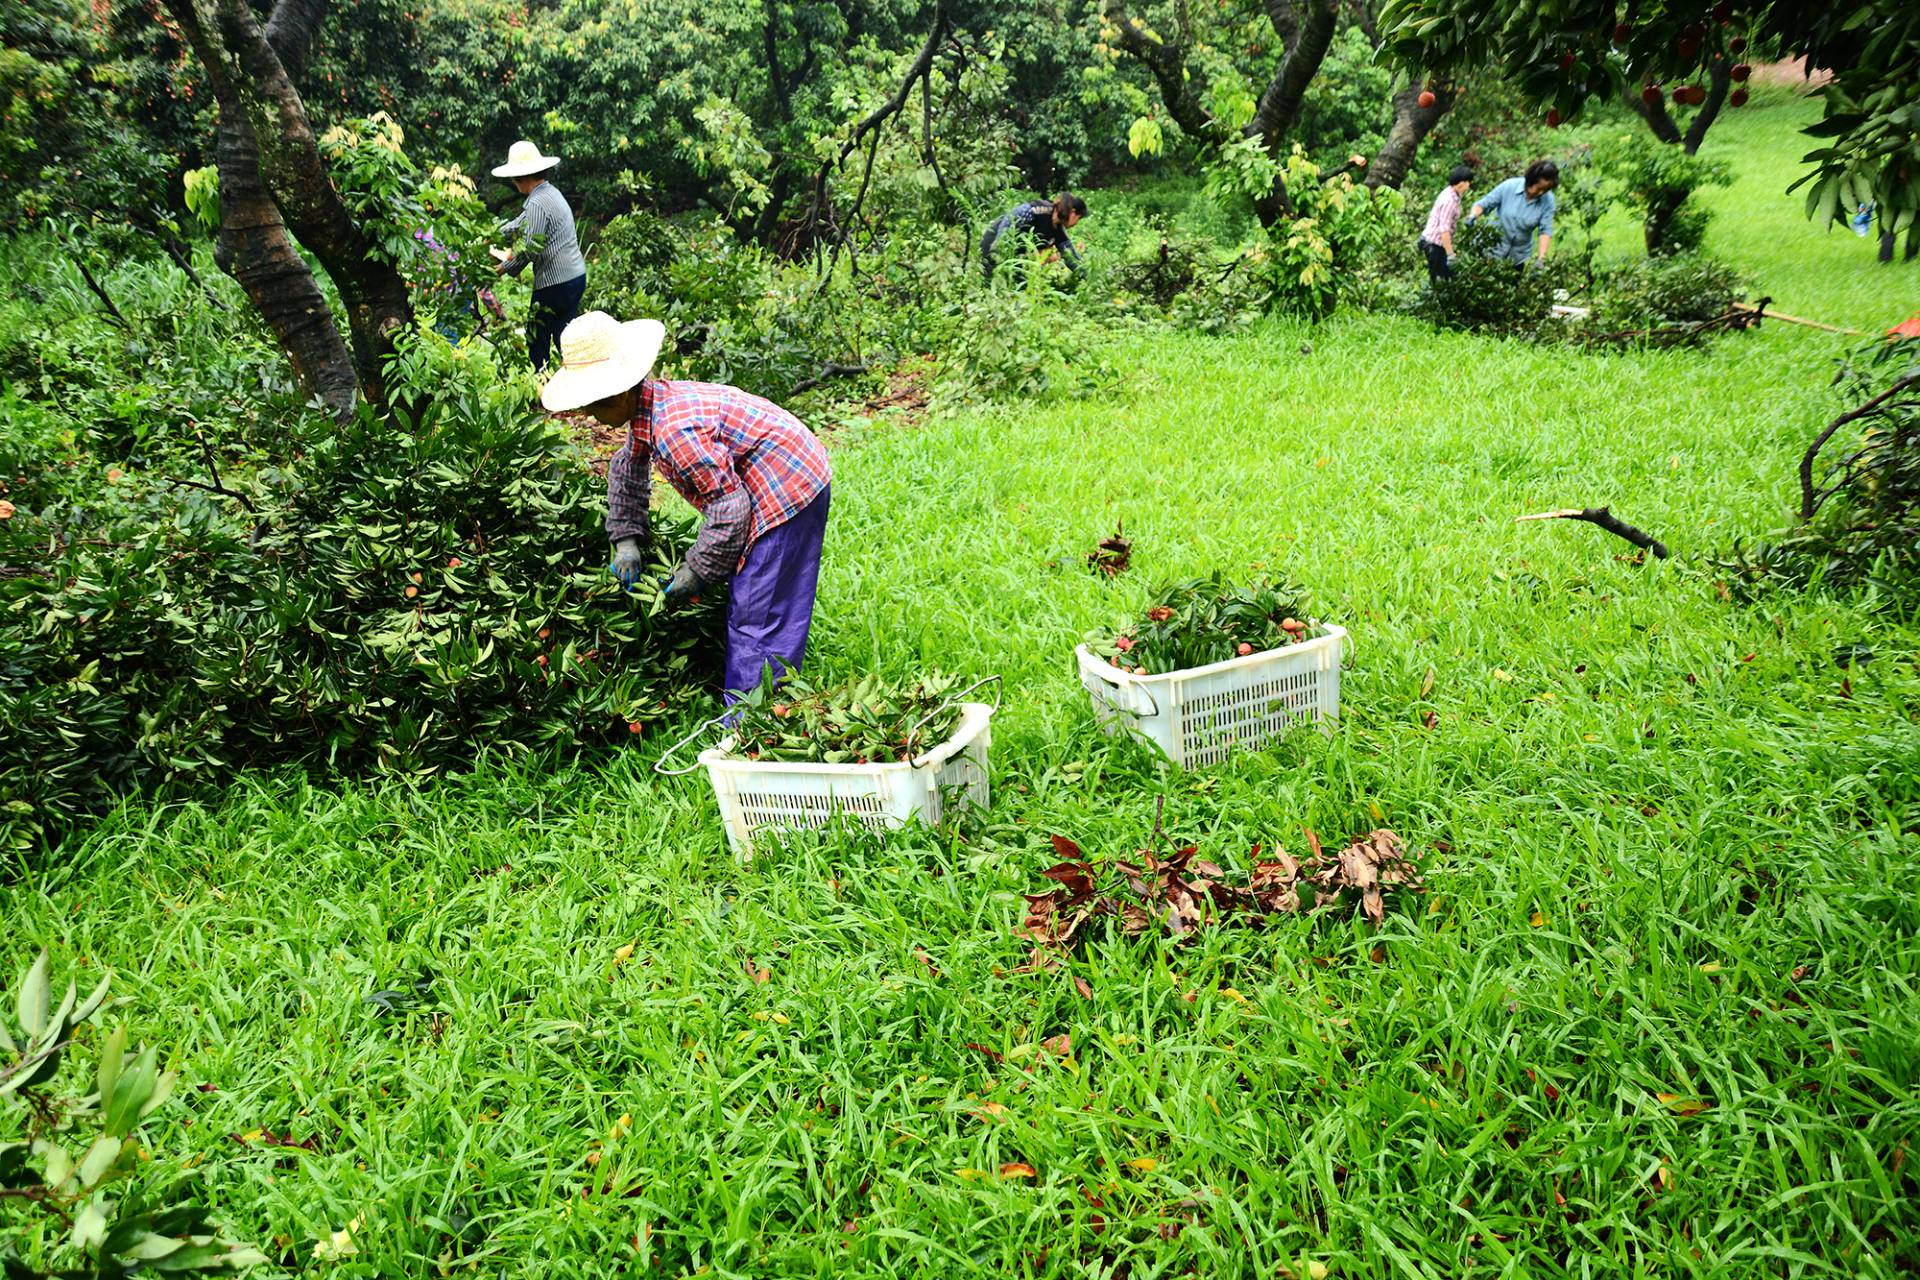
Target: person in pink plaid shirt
{"type": "Point", "coordinates": [759, 479]}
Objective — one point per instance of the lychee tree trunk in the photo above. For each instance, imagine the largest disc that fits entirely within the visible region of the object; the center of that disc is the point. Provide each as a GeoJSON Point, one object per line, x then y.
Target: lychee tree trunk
{"type": "Point", "coordinates": [1663, 205]}
{"type": "Point", "coordinates": [1305, 29]}
{"type": "Point", "coordinates": [255, 249]}
{"type": "Point", "coordinates": [1411, 125]}
{"type": "Point", "coordinates": [252, 84]}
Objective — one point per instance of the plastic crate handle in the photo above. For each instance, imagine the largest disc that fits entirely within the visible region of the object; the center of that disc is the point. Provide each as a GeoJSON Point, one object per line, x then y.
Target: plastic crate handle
{"type": "Point", "coordinates": [659, 766]}
{"type": "Point", "coordinates": [949, 701]}
{"type": "Point", "coordinates": [1128, 711]}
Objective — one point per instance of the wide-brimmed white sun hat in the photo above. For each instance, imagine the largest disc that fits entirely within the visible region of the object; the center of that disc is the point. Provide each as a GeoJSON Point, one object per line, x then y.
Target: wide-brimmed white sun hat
{"type": "Point", "coordinates": [523, 161]}
{"type": "Point", "coordinates": [601, 357]}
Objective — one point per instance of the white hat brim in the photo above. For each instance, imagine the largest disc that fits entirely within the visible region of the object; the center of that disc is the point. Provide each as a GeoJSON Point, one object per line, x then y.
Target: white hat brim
{"type": "Point", "coordinates": [582, 385]}
{"type": "Point", "coordinates": [541, 165]}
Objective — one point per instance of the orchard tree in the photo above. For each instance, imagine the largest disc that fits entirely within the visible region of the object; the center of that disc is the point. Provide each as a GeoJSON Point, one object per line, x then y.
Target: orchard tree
{"type": "Point", "coordinates": [275, 189]}
{"type": "Point", "coordinates": [1565, 52]}
{"type": "Point", "coordinates": [1204, 86]}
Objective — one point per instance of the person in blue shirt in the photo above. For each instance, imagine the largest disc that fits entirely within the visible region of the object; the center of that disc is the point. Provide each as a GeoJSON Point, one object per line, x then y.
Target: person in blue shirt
{"type": "Point", "coordinates": [1523, 210]}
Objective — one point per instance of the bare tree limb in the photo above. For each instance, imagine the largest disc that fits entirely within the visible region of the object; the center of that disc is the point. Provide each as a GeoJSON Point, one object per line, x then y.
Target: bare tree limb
{"type": "Point", "coordinates": [1605, 519]}
{"type": "Point", "coordinates": [1167, 63]}
{"type": "Point", "coordinates": [1809, 502]}
{"type": "Point", "coordinates": [1719, 77]}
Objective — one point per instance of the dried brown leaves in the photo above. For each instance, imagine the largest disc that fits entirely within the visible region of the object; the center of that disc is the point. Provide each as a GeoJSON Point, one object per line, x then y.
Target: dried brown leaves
{"type": "Point", "coordinates": [1180, 893]}
{"type": "Point", "coordinates": [1113, 555]}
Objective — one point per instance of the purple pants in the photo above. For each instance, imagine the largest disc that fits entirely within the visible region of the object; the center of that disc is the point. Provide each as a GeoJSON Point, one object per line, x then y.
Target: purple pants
{"type": "Point", "coordinates": [770, 608]}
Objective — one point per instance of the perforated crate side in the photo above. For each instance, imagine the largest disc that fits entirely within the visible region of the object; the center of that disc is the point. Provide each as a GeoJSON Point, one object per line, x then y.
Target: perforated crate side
{"type": "Point", "coordinates": [789, 810]}
{"type": "Point", "coordinates": [1215, 725]}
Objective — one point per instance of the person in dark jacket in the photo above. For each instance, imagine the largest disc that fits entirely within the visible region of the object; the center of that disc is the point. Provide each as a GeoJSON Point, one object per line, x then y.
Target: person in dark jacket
{"type": "Point", "coordinates": [1044, 222]}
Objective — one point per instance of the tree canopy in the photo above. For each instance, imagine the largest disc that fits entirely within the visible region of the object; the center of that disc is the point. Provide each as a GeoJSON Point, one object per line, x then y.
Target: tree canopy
{"type": "Point", "coordinates": [1567, 52]}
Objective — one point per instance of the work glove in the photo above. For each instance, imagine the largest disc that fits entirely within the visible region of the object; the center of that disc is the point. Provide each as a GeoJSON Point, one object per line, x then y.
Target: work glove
{"type": "Point", "coordinates": [680, 588]}
{"type": "Point", "coordinates": [629, 561]}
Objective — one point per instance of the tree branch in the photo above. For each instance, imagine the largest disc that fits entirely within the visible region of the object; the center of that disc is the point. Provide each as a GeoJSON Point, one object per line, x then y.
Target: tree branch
{"type": "Point", "coordinates": [1167, 63]}
{"type": "Point", "coordinates": [1655, 114]}
{"type": "Point", "coordinates": [1719, 76]}
{"type": "Point", "coordinates": [1808, 500]}
{"type": "Point", "coordinates": [1606, 520]}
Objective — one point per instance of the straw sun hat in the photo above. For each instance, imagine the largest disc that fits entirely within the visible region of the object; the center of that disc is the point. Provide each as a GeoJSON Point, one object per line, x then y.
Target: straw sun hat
{"type": "Point", "coordinates": [601, 357]}
{"type": "Point", "coordinates": [523, 161]}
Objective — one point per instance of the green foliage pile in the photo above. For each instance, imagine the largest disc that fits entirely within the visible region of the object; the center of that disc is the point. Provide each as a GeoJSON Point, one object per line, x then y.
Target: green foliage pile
{"type": "Point", "coordinates": [871, 720]}
{"type": "Point", "coordinates": [1489, 294]}
{"type": "Point", "coordinates": [399, 596]}
{"type": "Point", "coordinates": [1207, 620]}
{"type": "Point", "coordinates": [1672, 289]}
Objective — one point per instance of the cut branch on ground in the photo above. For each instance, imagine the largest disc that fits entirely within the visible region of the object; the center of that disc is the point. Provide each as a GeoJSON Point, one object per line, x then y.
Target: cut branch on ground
{"type": "Point", "coordinates": [1605, 519]}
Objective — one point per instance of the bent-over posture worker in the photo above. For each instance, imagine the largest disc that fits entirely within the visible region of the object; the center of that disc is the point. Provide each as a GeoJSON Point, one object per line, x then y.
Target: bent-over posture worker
{"type": "Point", "coordinates": [758, 478]}
{"type": "Point", "coordinates": [1046, 222]}
{"type": "Point", "coordinates": [546, 238]}
{"type": "Point", "coordinates": [1523, 210]}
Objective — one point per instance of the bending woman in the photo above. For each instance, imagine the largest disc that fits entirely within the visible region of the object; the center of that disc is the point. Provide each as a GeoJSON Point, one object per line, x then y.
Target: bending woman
{"type": "Point", "coordinates": [1046, 222]}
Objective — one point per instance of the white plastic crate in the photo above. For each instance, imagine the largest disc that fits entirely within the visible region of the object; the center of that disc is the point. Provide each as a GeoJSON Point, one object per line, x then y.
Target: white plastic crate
{"type": "Point", "coordinates": [757, 796]}
{"type": "Point", "coordinates": [1204, 714]}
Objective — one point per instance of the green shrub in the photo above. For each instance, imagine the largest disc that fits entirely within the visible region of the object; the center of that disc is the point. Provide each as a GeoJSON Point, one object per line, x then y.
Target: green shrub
{"type": "Point", "coordinates": [405, 597]}
{"type": "Point", "coordinates": [1657, 180]}
{"type": "Point", "coordinates": [1486, 293]}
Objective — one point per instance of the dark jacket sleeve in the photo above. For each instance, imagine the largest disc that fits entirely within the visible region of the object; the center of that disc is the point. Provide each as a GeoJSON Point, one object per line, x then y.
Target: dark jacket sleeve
{"type": "Point", "coordinates": [715, 552]}
{"type": "Point", "coordinates": [629, 493]}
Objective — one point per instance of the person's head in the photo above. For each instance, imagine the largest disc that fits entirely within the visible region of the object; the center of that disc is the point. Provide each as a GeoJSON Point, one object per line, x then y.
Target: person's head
{"type": "Point", "coordinates": [1542, 177]}
{"type": "Point", "coordinates": [1068, 209]}
{"type": "Point", "coordinates": [526, 168]}
{"type": "Point", "coordinates": [1460, 179]}
{"type": "Point", "coordinates": [603, 364]}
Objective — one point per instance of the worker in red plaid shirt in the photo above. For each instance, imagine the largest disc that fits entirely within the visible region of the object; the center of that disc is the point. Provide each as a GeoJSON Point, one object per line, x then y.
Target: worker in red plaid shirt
{"type": "Point", "coordinates": [759, 479]}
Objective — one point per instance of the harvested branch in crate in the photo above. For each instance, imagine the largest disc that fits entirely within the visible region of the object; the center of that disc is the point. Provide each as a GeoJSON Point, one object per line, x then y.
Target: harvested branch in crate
{"type": "Point", "coordinates": [1608, 521]}
{"type": "Point", "coordinates": [1180, 893]}
{"type": "Point", "coordinates": [1113, 555]}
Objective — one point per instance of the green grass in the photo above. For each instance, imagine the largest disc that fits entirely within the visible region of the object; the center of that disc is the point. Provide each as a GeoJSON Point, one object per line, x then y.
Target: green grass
{"type": "Point", "coordinates": [1644, 807]}
{"type": "Point", "coordinates": [1826, 274]}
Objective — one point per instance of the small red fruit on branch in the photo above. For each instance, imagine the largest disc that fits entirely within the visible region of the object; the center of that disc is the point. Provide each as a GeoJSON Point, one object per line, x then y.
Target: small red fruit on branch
{"type": "Point", "coordinates": [1741, 71]}
{"type": "Point", "coordinates": [1737, 45]}
{"type": "Point", "coordinates": [1426, 97]}
{"type": "Point", "coordinates": [1566, 61]}
{"type": "Point", "coordinates": [1723, 12]}
{"type": "Point", "coordinates": [1622, 33]}
{"type": "Point", "coordinates": [1650, 95]}
{"type": "Point", "coordinates": [1553, 118]}
{"type": "Point", "coordinates": [1738, 98]}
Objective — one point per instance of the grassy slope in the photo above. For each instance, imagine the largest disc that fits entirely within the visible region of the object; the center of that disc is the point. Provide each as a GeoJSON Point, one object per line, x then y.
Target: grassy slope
{"type": "Point", "coordinates": [1659, 806]}
{"type": "Point", "coordinates": [1822, 274]}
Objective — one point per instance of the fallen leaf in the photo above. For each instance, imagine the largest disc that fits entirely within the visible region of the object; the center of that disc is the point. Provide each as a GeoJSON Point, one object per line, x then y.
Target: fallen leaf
{"type": "Point", "coordinates": [340, 1244]}
{"type": "Point", "coordinates": [6, 510]}
{"type": "Point", "coordinates": [1426, 685]}
{"type": "Point", "coordinates": [1017, 1170]}
{"type": "Point", "coordinates": [1682, 1106]}
{"type": "Point", "coordinates": [1143, 1164]}
{"type": "Point", "coordinates": [759, 975]}
{"type": "Point", "coordinates": [1430, 720]}
{"type": "Point", "coordinates": [1502, 675]}
{"type": "Point", "coordinates": [1537, 919]}
{"type": "Point", "coordinates": [970, 1175]}
{"type": "Point", "coordinates": [624, 954]}
{"type": "Point", "coordinates": [980, 1048]}
{"type": "Point", "coordinates": [991, 1111]}
{"type": "Point", "coordinates": [1081, 985]}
